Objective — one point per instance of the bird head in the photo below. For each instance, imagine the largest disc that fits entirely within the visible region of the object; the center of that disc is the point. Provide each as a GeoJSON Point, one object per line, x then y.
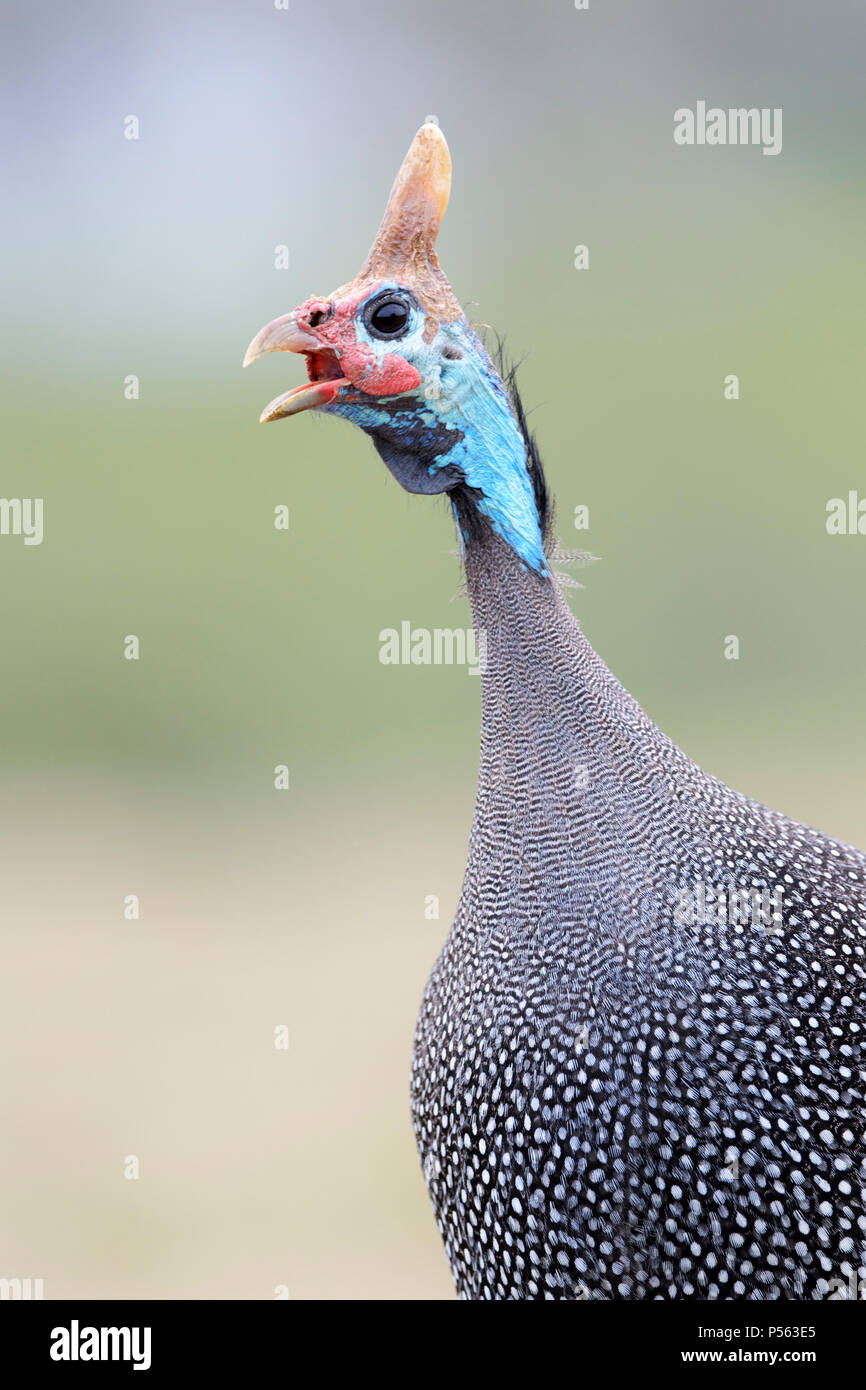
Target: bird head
{"type": "Point", "coordinates": [393, 352]}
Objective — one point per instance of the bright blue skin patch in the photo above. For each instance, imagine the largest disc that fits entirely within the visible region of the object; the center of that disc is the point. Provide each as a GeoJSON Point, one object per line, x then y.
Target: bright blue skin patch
{"type": "Point", "coordinates": [458, 425]}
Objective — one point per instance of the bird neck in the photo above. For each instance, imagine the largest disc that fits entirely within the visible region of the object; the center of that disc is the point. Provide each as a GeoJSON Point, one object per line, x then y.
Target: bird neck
{"type": "Point", "coordinates": [491, 454]}
{"type": "Point", "coordinates": [572, 772]}
{"type": "Point", "coordinates": [551, 709]}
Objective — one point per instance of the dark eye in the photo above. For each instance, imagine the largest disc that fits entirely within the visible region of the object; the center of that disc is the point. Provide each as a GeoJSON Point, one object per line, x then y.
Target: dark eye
{"type": "Point", "coordinates": [387, 317]}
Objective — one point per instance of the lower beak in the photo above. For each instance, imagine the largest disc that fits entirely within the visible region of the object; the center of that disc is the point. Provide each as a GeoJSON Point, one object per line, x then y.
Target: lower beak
{"type": "Point", "coordinates": [302, 398]}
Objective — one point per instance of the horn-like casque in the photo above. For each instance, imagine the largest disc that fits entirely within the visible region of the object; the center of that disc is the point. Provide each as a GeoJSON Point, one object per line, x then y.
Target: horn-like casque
{"type": "Point", "coordinates": [404, 249]}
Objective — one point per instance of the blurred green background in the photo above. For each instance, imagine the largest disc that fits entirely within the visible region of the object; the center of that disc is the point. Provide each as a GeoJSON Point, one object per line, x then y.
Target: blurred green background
{"type": "Point", "coordinates": [155, 257]}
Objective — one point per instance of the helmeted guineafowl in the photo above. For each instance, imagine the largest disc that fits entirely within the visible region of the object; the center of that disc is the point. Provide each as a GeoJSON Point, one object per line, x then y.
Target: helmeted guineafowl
{"type": "Point", "coordinates": [638, 1063]}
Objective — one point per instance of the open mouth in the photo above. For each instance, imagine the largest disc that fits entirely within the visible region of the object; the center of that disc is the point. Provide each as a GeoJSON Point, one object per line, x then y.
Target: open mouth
{"type": "Point", "coordinates": [325, 381]}
{"type": "Point", "coordinates": [323, 367]}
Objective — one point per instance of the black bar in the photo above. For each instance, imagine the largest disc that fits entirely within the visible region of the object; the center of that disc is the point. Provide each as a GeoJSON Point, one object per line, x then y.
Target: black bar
{"type": "Point", "coordinates": [221, 1338]}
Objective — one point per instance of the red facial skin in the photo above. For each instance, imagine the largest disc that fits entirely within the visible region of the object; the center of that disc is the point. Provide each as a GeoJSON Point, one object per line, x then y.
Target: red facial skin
{"type": "Point", "coordinates": [388, 377]}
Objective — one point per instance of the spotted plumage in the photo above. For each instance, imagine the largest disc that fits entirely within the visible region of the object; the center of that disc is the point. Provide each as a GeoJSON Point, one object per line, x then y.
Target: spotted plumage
{"type": "Point", "coordinates": [638, 1068]}
{"type": "Point", "coordinates": [610, 1101]}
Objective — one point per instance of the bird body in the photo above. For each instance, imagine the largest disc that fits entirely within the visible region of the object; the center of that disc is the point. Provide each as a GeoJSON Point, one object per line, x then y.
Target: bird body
{"type": "Point", "coordinates": [614, 1097]}
{"type": "Point", "coordinates": [638, 1067]}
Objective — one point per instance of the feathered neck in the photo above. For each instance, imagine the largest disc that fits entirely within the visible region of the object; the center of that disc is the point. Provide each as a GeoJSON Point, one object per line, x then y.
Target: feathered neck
{"type": "Point", "coordinates": [548, 700]}
{"type": "Point", "coordinates": [570, 767]}
{"type": "Point", "coordinates": [503, 487]}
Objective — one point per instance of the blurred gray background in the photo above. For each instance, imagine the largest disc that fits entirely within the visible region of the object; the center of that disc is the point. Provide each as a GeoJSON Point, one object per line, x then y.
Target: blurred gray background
{"type": "Point", "coordinates": [155, 257]}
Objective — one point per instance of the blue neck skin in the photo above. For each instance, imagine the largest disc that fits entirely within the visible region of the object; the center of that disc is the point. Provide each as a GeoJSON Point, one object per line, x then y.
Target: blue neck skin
{"type": "Point", "coordinates": [461, 428]}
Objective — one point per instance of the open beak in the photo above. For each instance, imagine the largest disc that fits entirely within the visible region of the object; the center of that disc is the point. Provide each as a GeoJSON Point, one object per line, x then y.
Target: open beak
{"type": "Point", "coordinates": [285, 334]}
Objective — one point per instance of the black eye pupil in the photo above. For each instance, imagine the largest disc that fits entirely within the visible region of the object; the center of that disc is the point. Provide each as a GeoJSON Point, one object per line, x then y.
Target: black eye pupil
{"type": "Point", "coordinates": [389, 318]}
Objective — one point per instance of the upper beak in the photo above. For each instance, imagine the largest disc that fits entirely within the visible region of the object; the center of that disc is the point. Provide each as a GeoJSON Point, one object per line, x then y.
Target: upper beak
{"type": "Point", "coordinates": [285, 334]}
